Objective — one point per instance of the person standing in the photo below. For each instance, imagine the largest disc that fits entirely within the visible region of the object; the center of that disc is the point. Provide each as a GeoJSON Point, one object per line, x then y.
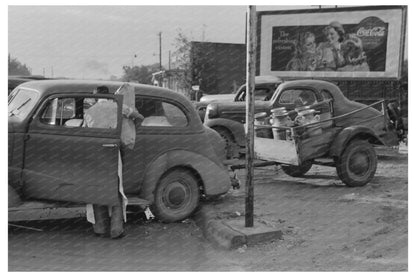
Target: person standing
{"type": "Point", "coordinates": [103, 114]}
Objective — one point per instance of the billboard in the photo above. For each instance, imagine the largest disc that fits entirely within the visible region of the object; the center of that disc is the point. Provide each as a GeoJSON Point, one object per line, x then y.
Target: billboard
{"type": "Point", "coordinates": [359, 42]}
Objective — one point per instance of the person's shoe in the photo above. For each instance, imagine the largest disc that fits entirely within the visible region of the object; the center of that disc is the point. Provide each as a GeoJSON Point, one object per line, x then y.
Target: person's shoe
{"type": "Point", "coordinates": [100, 235]}
{"type": "Point", "coordinates": [118, 236]}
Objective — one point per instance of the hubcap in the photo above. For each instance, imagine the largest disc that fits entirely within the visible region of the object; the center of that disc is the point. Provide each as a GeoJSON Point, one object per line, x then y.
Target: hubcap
{"type": "Point", "coordinates": [175, 195]}
{"type": "Point", "coordinates": [359, 163]}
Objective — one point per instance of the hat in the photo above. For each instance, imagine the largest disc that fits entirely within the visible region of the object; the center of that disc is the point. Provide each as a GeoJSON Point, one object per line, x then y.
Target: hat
{"type": "Point", "coordinates": [337, 26]}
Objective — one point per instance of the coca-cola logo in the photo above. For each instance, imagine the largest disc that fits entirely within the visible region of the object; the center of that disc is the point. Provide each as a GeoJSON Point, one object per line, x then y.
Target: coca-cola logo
{"type": "Point", "coordinates": [372, 31]}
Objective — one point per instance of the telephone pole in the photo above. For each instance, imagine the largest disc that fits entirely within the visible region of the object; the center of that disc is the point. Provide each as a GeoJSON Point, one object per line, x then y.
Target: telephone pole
{"type": "Point", "coordinates": [160, 51]}
{"type": "Point", "coordinates": [249, 128]}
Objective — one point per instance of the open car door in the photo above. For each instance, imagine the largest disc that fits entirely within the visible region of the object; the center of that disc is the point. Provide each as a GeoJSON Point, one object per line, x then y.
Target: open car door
{"type": "Point", "coordinates": [65, 160]}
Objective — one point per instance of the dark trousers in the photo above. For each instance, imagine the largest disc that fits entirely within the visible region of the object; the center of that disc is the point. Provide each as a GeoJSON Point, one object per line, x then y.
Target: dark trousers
{"type": "Point", "coordinates": [105, 224]}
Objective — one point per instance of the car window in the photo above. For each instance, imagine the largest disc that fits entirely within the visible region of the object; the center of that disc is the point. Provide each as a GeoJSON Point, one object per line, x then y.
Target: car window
{"type": "Point", "coordinates": [160, 113]}
{"type": "Point", "coordinates": [326, 94]}
{"type": "Point", "coordinates": [21, 102]}
{"type": "Point", "coordinates": [260, 94]}
{"type": "Point", "coordinates": [80, 112]}
{"type": "Point", "coordinates": [298, 97]}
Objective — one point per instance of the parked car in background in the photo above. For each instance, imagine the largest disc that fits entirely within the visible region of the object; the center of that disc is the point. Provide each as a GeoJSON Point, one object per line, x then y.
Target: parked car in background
{"type": "Point", "coordinates": [264, 89]}
{"type": "Point", "coordinates": [52, 157]}
{"type": "Point", "coordinates": [326, 98]}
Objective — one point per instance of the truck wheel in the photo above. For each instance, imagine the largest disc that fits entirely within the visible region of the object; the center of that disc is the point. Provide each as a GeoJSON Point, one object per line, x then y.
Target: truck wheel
{"type": "Point", "coordinates": [230, 144]}
{"type": "Point", "coordinates": [297, 171]}
{"type": "Point", "coordinates": [176, 196]}
{"type": "Point", "coordinates": [357, 164]}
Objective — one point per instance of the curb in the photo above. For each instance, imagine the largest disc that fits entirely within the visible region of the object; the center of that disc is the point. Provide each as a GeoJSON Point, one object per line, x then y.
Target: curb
{"type": "Point", "coordinates": [216, 231]}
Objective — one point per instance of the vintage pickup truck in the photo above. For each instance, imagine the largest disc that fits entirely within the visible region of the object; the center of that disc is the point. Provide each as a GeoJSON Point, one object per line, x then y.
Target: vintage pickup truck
{"type": "Point", "coordinates": [54, 159]}
{"type": "Point", "coordinates": [346, 128]}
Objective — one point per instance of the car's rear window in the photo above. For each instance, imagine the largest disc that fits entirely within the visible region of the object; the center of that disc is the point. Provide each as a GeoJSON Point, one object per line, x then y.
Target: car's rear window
{"type": "Point", "coordinates": [160, 113]}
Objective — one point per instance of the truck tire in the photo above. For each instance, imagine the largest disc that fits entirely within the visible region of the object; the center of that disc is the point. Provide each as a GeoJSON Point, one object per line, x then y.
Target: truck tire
{"type": "Point", "coordinates": [230, 144]}
{"type": "Point", "coordinates": [176, 196]}
{"type": "Point", "coordinates": [297, 171]}
{"type": "Point", "coordinates": [357, 164]}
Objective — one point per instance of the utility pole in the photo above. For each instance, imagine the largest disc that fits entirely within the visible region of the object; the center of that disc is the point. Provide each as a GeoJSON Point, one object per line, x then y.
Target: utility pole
{"type": "Point", "coordinates": [169, 59]}
{"type": "Point", "coordinates": [160, 51]}
{"type": "Point", "coordinates": [249, 128]}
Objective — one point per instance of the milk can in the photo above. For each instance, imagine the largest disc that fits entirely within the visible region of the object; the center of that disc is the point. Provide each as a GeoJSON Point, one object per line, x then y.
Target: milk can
{"type": "Point", "coordinates": [280, 118]}
{"type": "Point", "coordinates": [307, 117]}
{"type": "Point", "coordinates": [261, 119]}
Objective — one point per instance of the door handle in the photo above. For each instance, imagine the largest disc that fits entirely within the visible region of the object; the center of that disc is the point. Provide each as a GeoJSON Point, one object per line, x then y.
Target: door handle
{"type": "Point", "coordinates": [110, 145]}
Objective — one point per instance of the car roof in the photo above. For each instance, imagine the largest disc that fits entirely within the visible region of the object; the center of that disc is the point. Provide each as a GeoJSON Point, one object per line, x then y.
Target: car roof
{"type": "Point", "coordinates": [317, 84]}
{"type": "Point", "coordinates": [48, 87]}
{"type": "Point", "coordinates": [266, 79]}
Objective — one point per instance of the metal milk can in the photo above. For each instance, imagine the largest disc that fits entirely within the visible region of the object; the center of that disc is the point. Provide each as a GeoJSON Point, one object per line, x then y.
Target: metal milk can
{"type": "Point", "coordinates": [280, 118]}
{"type": "Point", "coordinates": [261, 119]}
{"type": "Point", "coordinates": [307, 117]}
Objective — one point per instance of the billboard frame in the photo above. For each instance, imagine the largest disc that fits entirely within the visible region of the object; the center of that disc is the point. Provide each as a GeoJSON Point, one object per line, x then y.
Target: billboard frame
{"type": "Point", "coordinates": [403, 8]}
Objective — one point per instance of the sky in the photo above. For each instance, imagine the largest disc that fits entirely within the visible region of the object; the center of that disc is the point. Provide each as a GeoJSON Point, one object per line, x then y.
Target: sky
{"type": "Point", "coordinates": [97, 41]}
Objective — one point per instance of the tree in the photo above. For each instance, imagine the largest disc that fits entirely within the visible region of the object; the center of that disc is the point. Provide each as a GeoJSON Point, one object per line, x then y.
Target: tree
{"type": "Point", "coordinates": [182, 55]}
{"type": "Point", "coordinates": [195, 59]}
{"type": "Point", "coordinates": [17, 68]}
{"type": "Point", "coordinates": [141, 74]}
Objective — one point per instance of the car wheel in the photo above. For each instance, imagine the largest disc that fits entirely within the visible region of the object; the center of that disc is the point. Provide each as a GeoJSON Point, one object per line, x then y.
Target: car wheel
{"type": "Point", "coordinates": [357, 164]}
{"type": "Point", "coordinates": [297, 171]}
{"type": "Point", "coordinates": [230, 144]}
{"type": "Point", "coordinates": [176, 196]}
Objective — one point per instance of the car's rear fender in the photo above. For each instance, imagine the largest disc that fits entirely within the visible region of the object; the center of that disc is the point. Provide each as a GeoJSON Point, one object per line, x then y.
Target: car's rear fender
{"type": "Point", "coordinates": [350, 133]}
{"type": "Point", "coordinates": [214, 179]}
{"type": "Point", "coordinates": [235, 128]}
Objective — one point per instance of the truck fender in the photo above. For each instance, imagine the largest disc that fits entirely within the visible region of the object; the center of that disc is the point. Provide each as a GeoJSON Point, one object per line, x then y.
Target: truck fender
{"type": "Point", "coordinates": [215, 178]}
{"type": "Point", "coordinates": [349, 133]}
{"type": "Point", "coordinates": [235, 128]}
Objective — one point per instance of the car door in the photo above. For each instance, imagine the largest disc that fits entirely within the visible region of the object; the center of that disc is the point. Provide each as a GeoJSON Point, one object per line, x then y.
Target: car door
{"type": "Point", "coordinates": [166, 126]}
{"type": "Point", "coordinates": [67, 161]}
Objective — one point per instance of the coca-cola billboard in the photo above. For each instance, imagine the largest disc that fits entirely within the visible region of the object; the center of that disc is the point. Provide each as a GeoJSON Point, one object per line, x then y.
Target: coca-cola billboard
{"type": "Point", "coordinates": [348, 42]}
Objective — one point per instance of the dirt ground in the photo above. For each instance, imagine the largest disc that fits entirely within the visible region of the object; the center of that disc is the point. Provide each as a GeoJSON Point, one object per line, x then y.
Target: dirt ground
{"type": "Point", "coordinates": [326, 227]}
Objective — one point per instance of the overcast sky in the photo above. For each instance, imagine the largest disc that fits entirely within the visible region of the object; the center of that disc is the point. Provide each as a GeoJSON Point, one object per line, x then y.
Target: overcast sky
{"type": "Point", "coordinates": [96, 41]}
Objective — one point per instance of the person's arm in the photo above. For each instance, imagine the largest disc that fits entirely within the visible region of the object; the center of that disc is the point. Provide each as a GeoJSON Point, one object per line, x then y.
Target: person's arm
{"type": "Point", "coordinates": [132, 113]}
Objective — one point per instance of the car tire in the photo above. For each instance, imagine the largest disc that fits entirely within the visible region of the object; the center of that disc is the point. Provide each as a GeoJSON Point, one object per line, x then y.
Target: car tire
{"type": "Point", "coordinates": [230, 144]}
{"type": "Point", "coordinates": [357, 164]}
{"type": "Point", "coordinates": [176, 196]}
{"type": "Point", "coordinates": [297, 171]}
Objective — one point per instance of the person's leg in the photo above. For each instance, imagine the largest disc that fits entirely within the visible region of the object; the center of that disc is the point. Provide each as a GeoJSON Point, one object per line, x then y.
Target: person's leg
{"type": "Point", "coordinates": [102, 220]}
{"type": "Point", "coordinates": [117, 222]}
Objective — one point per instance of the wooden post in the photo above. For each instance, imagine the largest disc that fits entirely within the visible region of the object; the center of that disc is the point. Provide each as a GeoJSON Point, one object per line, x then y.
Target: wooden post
{"type": "Point", "coordinates": [249, 128]}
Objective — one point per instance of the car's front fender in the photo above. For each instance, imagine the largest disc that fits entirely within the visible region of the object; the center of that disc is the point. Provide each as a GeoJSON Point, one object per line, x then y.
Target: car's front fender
{"type": "Point", "coordinates": [215, 179]}
{"type": "Point", "coordinates": [236, 128]}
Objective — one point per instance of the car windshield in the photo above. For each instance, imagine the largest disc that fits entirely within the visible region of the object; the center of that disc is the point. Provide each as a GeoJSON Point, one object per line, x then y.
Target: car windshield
{"type": "Point", "coordinates": [21, 102]}
{"type": "Point", "coordinates": [260, 94]}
